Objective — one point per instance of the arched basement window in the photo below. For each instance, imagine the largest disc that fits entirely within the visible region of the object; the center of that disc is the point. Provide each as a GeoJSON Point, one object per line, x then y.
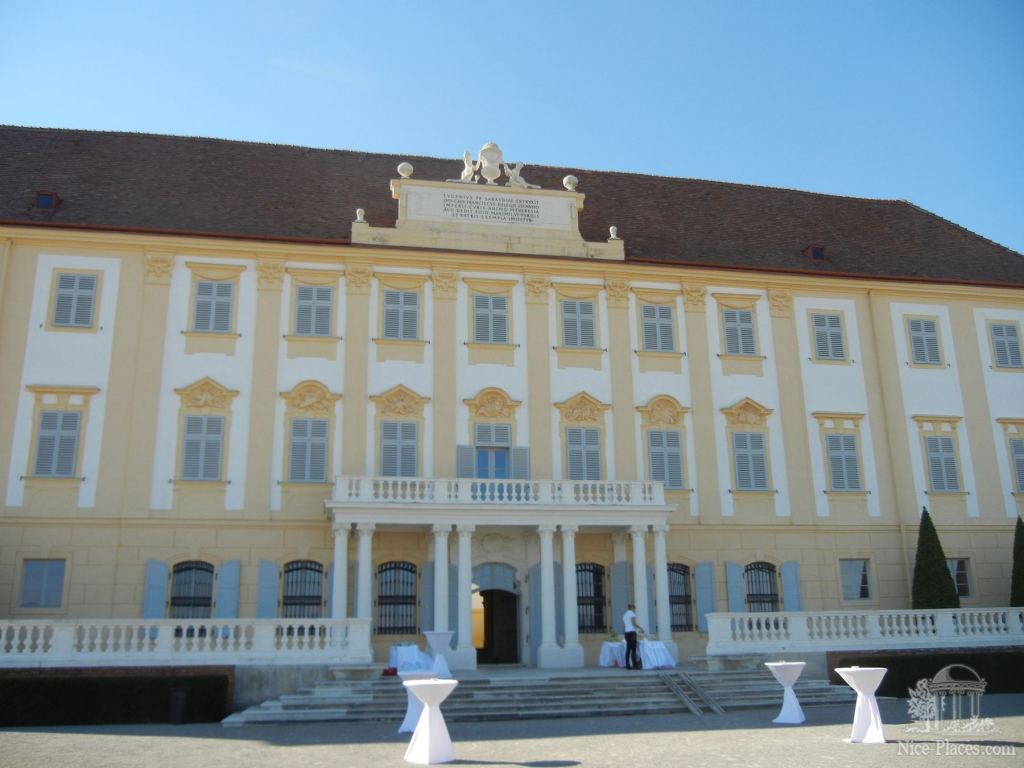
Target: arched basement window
{"type": "Point", "coordinates": [762, 587]}
{"type": "Point", "coordinates": [192, 590]}
{"type": "Point", "coordinates": [680, 597]}
{"type": "Point", "coordinates": [396, 598]}
{"type": "Point", "coordinates": [590, 600]}
{"type": "Point", "coordinates": [303, 593]}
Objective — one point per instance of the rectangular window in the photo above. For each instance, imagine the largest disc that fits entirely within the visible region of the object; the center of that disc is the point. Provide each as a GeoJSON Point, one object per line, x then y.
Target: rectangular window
{"type": "Point", "coordinates": [584, 453]}
{"type": "Point", "coordinates": [843, 465]}
{"type": "Point", "coordinates": [204, 438]}
{"type": "Point", "coordinates": [213, 306]}
{"type": "Point", "coordinates": [1006, 345]}
{"type": "Point", "coordinates": [658, 330]}
{"type": "Point", "coordinates": [738, 325]}
{"type": "Point", "coordinates": [314, 306]}
{"type": "Point", "coordinates": [958, 570]}
{"type": "Point", "coordinates": [665, 453]}
{"type": "Point", "coordinates": [493, 448]}
{"type": "Point", "coordinates": [308, 451]}
{"type": "Point", "coordinates": [398, 448]}
{"type": "Point", "coordinates": [57, 443]}
{"type": "Point", "coordinates": [854, 575]}
{"type": "Point", "coordinates": [1017, 456]}
{"type": "Point", "coordinates": [924, 341]}
{"type": "Point", "coordinates": [750, 461]}
{"type": "Point", "coordinates": [828, 337]}
{"type": "Point", "coordinates": [401, 315]}
{"type": "Point", "coordinates": [578, 324]}
{"type": "Point", "coordinates": [75, 300]}
{"type": "Point", "coordinates": [42, 584]}
{"type": "Point", "coordinates": [490, 319]}
{"type": "Point", "coordinates": [942, 464]}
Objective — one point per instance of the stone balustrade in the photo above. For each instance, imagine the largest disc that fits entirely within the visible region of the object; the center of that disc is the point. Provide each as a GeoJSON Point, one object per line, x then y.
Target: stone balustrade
{"type": "Point", "coordinates": [818, 631]}
{"type": "Point", "coordinates": [188, 642]}
{"type": "Point", "coordinates": [418, 490]}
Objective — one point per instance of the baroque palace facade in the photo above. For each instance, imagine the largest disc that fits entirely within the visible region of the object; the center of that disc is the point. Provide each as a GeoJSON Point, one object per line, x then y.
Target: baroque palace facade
{"type": "Point", "coordinates": [245, 380]}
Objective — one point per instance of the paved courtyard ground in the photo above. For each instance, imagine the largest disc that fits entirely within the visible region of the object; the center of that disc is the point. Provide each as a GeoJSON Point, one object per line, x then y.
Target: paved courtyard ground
{"type": "Point", "coordinates": [745, 739]}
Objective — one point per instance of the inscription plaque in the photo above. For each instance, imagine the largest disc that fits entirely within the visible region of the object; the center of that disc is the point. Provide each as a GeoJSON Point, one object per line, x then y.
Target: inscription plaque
{"type": "Point", "coordinates": [493, 209]}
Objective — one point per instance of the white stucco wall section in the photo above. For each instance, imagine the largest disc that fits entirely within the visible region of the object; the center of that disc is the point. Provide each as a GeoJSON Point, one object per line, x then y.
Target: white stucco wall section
{"type": "Point", "coordinates": [1004, 389]}
{"type": "Point", "coordinates": [180, 370]}
{"type": "Point", "coordinates": [66, 358]}
{"type": "Point", "coordinates": [471, 379]}
{"type": "Point", "coordinates": [834, 389]}
{"type": "Point", "coordinates": [293, 371]}
{"type": "Point", "coordinates": [931, 391]}
{"type": "Point", "coordinates": [726, 391]}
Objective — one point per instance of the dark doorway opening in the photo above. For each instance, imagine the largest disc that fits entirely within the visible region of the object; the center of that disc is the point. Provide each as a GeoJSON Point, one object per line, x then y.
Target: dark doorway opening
{"type": "Point", "coordinates": [501, 628]}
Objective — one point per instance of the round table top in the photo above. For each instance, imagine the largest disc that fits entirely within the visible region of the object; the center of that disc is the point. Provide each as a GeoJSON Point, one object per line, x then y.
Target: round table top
{"type": "Point", "coordinates": [431, 691]}
{"type": "Point", "coordinates": [786, 672]}
{"type": "Point", "coordinates": [862, 679]}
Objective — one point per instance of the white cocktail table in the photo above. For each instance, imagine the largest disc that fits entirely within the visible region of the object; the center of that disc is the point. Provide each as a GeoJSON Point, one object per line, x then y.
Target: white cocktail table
{"type": "Point", "coordinates": [430, 741]}
{"type": "Point", "coordinates": [867, 720]}
{"type": "Point", "coordinates": [787, 673]}
{"type": "Point", "coordinates": [440, 641]}
{"type": "Point", "coordinates": [414, 706]}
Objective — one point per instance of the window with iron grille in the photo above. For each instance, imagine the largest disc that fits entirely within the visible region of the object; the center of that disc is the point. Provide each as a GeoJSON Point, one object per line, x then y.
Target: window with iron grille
{"type": "Point", "coordinates": [749, 461]}
{"type": "Point", "coordinates": [958, 570]}
{"type": "Point", "coordinates": [943, 472]}
{"type": "Point", "coordinates": [396, 598]}
{"type": "Point", "coordinates": [761, 586]}
{"type": "Point", "coordinates": [314, 306]}
{"type": "Point", "coordinates": [1006, 344]}
{"type": "Point", "coordinates": [658, 328]}
{"type": "Point", "coordinates": [204, 436]}
{"type": "Point", "coordinates": [57, 443]}
{"type": "Point", "coordinates": [853, 574]}
{"type": "Point", "coordinates": [75, 300]}
{"type": "Point", "coordinates": [665, 454]}
{"type": "Point", "coordinates": [401, 315]}
{"type": "Point", "coordinates": [583, 450]}
{"type": "Point", "coordinates": [680, 597]}
{"type": "Point", "coordinates": [398, 448]}
{"type": "Point", "coordinates": [590, 599]}
{"type": "Point", "coordinates": [738, 325]}
{"type": "Point", "coordinates": [843, 464]}
{"type": "Point", "coordinates": [490, 319]}
{"type": "Point", "coordinates": [924, 341]}
{"type": "Point", "coordinates": [192, 590]}
{"type": "Point", "coordinates": [828, 337]}
{"type": "Point", "coordinates": [303, 594]}
{"type": "Point", "coordinates": [213, 306]}
{"type": "Point", "coordinates": [578, 324]}
{"type": "Point", "coordinates": [308, 462]}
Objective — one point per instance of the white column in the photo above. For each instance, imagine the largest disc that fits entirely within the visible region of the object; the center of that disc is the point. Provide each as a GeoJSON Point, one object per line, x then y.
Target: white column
{"type": "Point", "coordinates": [364, 598]}
{"type": "Point", "coordinates": [569, 607]}
{"type": "Point", "coordinates": [339, 578]}
{"type": "Point", "coordinates": [661, 588]}
{"type": "Point", "coordinates": [548, 647]}
{"type": "Point", "coordinates": [464, 655]}
{"type": "Point", "coordinates": [638, 534]}
{"type": "Point", "coordinates": [441, 577]}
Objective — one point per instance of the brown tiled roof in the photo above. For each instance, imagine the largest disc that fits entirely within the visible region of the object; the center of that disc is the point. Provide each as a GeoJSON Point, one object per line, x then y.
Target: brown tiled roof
{"type": "Point", "coordinates": [238, 189]}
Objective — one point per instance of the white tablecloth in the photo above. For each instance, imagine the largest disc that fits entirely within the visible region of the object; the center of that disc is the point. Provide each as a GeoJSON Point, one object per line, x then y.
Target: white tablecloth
{"type": "Point", "coordinates": [653, 654]}
{"type": "Point", "coordinates": [408, 657]}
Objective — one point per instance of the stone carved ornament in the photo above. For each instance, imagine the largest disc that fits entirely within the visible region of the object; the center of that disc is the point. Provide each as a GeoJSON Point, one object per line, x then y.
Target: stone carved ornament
{"type": "Point", "coordinates": [312, 398]}
{"type": "Point", "coordinates": [537, 287]}
{"type": "Point", "coordinates": [444, 283]}
{"type": "Point", "coordinates": [269, 274]}
{"type": "Point", "coordinates": [747, 413]}
{"type": "Point", "coordinates": [358, 276]}
{"type": "Point", "coordinates": [488, 166]}
{"type": "Point", "coordinates": [206, 393]}
{"type": "Point", "coordinates": [781, 303]}
{"type": "Point", "coordinates": [618, 292]}
{"type": "Point", "coordinates": [663, 412]}
{"type": "Point", "coordinates": [400, 401]}
{"type": "Point", "coordinates": [582, 408]}
{"type": "Point", "coordinates": [494, 406]}
{"type": "Point", "coordinates": [695, 297]}
{"type": "Point", "coordinates": [159, 266]}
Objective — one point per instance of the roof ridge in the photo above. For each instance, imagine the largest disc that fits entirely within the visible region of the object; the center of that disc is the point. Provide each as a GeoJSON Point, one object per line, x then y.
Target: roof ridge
{"type": "Point", "coordinates": [644, 174]}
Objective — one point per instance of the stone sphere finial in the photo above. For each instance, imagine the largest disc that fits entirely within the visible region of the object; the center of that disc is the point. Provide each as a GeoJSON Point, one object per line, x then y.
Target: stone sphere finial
{"type": "Point", "coordinates": [360, 216]}
{"type": "Point", "coordinates": [405, 170]}
{"type": "Point", "coordinates": [613, 233]}
{"type": "Point", "coordinates": [570, 182]}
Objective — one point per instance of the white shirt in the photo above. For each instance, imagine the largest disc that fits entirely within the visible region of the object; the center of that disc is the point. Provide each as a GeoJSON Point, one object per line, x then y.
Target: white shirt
{"type": "Point", "coordinates": [628, 621]}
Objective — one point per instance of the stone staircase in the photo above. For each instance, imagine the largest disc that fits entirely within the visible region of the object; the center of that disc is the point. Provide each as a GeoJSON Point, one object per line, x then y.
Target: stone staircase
{"type": "Point", "coordinates": [520, 694]}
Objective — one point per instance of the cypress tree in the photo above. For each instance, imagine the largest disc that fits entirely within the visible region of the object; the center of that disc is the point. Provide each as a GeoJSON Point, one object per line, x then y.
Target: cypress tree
{"type": "Point", "coordinates": [1017, 578]}
{"type": "Point", "coordinates": [933, 583]}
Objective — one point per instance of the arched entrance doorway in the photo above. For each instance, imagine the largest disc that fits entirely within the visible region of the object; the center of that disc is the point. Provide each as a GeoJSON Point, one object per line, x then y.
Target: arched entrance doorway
{"type": "Point", "coordinates": [496, 614]}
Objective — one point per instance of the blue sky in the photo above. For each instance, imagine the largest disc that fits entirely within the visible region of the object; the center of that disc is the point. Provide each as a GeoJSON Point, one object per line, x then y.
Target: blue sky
{"type": "Point", "coordinates": [920, 100]}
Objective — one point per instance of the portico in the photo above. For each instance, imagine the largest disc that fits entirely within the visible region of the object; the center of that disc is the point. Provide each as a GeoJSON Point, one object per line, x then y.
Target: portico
{"type": "Point", "coordinates": [542, 517]}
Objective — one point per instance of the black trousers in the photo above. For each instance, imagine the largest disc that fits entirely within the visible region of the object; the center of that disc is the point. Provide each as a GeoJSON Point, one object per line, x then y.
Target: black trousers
{"type": "Point", "coordinates": [630, 650]}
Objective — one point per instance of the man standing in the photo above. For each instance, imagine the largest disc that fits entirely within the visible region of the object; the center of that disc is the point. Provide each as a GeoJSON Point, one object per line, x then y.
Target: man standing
{"type": "Point", "coordinates": [631, 628]}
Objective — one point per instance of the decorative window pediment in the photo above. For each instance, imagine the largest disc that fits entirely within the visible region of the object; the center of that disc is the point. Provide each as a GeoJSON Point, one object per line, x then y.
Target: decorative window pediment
{"type": "Point", "coordinates": [582, 409]}
{"type": "Point", "coordinates": [747, 413]}
{"type": "Point", "coordinates": [492, 404]}
{"type": "Point", "coordinates": [206, 393]}
{"type": "Point", "coordinates": [311, 397]}
{"type": "Point", "coordinates": [662, 411]}
{"type": "Point", "coordinates": [400, 401]}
